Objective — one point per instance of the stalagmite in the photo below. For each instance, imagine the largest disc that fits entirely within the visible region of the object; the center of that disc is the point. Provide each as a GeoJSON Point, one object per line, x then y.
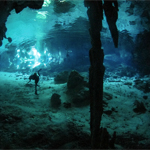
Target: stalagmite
{"type": "Point", "coordinates": [96, 70]}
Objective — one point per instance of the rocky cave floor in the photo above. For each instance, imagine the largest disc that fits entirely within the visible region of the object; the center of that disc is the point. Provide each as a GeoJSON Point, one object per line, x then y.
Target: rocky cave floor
{"type": "Point", "coordinates": [28, 120]}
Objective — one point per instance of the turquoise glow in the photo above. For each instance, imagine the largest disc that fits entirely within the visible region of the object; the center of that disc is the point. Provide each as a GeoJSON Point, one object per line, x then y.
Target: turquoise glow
{"type": "Point", "coordinates": [34, 53]}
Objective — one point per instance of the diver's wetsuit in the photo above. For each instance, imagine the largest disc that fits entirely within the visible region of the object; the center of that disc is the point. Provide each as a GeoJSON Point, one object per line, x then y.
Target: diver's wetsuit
{"type": "Point", "coordinates": [35, 77]}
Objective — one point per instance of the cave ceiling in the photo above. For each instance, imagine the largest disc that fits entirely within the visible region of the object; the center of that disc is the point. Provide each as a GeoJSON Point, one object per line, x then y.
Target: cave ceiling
{"type": "Point", "coordinates": [68, 19]}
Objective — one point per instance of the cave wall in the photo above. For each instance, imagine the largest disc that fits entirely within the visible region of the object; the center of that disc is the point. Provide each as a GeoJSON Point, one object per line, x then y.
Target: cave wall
{"type": "Point", "coordinates": [7, 6]}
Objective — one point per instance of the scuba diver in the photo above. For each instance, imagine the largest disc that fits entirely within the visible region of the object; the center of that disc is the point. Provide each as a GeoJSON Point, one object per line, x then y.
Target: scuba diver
{"type": "Point", "coordinates": [35, 77]}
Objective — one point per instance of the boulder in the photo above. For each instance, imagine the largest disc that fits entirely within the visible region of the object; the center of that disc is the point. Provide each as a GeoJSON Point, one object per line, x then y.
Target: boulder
{"type": "Point", "coordinates": [78, 89]}
{"type": "Point", "coordinates": [74, 80]}
{"type": "Point", "coordinates": [55, 100]}
{"type": "Point", "coordinates": [139, 107]}
{"type": "Point", "coordinates": [62, 77]}
{"type": "Point", "coordinates": [143, 85]}
{"type": "Point", "coordinates": [145, 97]}
{"type": "Point", "coordinates": [81, 98]}
{"type": "Point", "coordinates": [107, 96]}
{"type": "Point", "coordinates": [67, 105]}
{"type": "Point", "coordinates": [64, 7]}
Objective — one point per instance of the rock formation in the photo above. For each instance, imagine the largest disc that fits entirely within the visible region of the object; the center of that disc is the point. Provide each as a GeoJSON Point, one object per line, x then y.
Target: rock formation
{"type": "Point", "coordinates": [96, 71]}
{"type": "Point", "coordinates": [7, 6]}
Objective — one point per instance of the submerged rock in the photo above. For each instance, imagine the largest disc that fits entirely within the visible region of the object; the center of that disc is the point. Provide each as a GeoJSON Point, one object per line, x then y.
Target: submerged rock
{"type": "Point", "coordinates": [67, 105]}
{"type": "Point", "coordinates": [78, 89]}
{"type": "Point", "coordinates": [145, 97]}
{"type": "Point", "coordinates": [81, 98]}
{"type": "Point", "coordinates": [143, 85]}
{"type": "Point", "coordinates": [55, 100]}
{"type": "Point", "coordinates": [62, 77]}
{"type": "Point", "coordinates": [139, 107]}
{"type": "Point", "coordinates": [107, 96]}
{"type": "Point", "coordinates": [74, 80]}
{"type": "Point", "coordinates": [64, 7]}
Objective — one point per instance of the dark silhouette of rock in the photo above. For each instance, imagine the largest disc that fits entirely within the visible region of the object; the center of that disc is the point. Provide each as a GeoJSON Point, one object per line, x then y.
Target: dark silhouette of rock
{"type": "Point", "coordinates": [139, 107]}
{"type": "Point", "coordinates": [67, 105]}
{"type": "Point", "coordinates": [55, 100]}
{"type": "Point", "coordinates": [7, 6]}
{"type": "Point", "coordinates": [143, 85]}
{"type": "Point", "coordinates": [81, 98]}
{"type": "Point", "coordinates": [145, 97]}
{"type": "Point", "coordinates": [62, 7]}
{"type": "Point", "coordinates": [78, 89]}
{"type": "Point", "coordinates": [74, 80]}
{"type": "Point", "coordinates": [107, 96]}
{"type": "Point", "coordinates": [62, 77]}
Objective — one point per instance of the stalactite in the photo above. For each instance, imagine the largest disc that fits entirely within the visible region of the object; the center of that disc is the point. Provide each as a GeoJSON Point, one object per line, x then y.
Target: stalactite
{"type": "Point", "coordinates": [111, 13]}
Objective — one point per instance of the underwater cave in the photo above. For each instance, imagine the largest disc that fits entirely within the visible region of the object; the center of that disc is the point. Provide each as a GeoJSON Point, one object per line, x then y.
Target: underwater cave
{"type": "Point", "coordinates": [73, 75]}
